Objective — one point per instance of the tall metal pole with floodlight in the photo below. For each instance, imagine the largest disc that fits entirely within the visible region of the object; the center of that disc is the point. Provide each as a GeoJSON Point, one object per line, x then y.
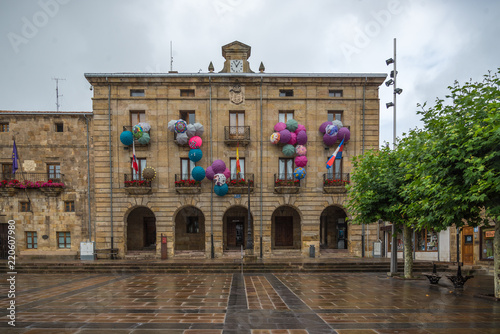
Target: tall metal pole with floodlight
{"type": "Point", "coordinates": [397, 91]}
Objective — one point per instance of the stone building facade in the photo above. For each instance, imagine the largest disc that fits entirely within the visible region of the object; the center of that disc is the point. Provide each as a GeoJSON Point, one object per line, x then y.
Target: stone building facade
{"type": "Point", "coordinates": [51, 213]}
{"type": "Point", "coordinates": [238, 109]}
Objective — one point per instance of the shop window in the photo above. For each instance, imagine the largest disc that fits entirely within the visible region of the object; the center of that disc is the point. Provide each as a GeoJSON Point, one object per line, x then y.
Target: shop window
{"type": "Point", "coordinates": [487, 251]}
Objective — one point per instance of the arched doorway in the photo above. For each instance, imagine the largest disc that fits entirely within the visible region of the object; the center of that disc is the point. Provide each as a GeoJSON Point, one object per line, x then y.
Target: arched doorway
{"type": "Point", "coordinates": [190, 230]}
{"type": "Point", "coordinates": [286, 228]}
{"type": "Point", "coordinates": [333, 228]}
{"type": "Point", "coordinates": [141, 230]}
{"type": "Point", "coordinates": [235, 222]}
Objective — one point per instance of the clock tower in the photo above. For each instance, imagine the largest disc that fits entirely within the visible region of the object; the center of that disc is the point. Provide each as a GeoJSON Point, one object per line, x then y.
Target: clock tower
{"type": "Point", "coordinates": [236, 55]}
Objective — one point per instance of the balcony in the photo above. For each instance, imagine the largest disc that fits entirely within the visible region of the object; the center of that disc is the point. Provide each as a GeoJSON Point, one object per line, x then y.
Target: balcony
{"type": "Point", "coordinates": [185, 185]}
{"type": "Point", "coordinates": [136, 142]}
{"type": "Point", "coordinates": [335, 183]}
{"type": "Point", "coordinates": [237, 135]}
{"type": "Point", "coordinates": [50, 184]}
{"type": "Point", "coordinates": [286, 184]}
{"type": "Point", "coordinates": [239, 184]}
{"type": "Point", "coordinates": [136, 185]}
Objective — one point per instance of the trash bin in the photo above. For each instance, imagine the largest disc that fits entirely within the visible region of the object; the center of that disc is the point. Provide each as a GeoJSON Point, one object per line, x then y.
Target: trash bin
{"type": "Point", "coordinates": [312, 251]}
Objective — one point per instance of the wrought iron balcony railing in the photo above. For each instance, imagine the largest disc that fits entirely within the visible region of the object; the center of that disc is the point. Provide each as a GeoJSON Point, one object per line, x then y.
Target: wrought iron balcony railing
{"type": "Point", "coordinates": [335, 182]}
{"type": "Point", "coordinates": [234, 135]}
{"type": "Point", "coordinates": [238, 183]}
{"type": "Point", "coordinates": [286, 183]}
{"type": "Point", "coordinates": [23, 177]}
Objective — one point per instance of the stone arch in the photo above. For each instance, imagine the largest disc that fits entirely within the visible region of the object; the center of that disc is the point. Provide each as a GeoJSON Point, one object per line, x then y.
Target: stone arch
{"type": "Point", "coordinates": [286, 228]}
{"type": "Point", "coordinates": [235, 227]}
{"type": "Point", "coordinates": [140, 222]}
{"type": "Point", "coordinates": [189, 229]}
{"type": "Point", "coordinates": [334, 231]}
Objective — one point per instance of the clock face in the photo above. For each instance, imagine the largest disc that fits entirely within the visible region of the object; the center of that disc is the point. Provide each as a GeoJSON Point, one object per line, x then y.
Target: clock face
{"type": "Point", "coordinates": [236, 65]}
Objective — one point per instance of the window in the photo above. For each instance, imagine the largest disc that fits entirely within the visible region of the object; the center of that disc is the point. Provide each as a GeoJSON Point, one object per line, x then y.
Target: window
{"type": "Point", "coordinates": [6, 172]}
{"type": "Point", "coordinates": [137, 93]}
{"type": "Point", "coordinates": [187, 92]}
{"type": "Point", "coordinates": [236, 123]}
{"type": "Point", "coordinates": [63, 240]}
{"type": "Point", "coordinates": [31, 240]}
{"type": "Point", "coordinates": [192, 225]}
{"type": "Point", "coordinates": [188, 116]}
{"type": "Point", "coordinates": [285, 115]}
{"type": "Point", "coordinates": [487, 235]}
{"type": "Point", "coordinates": [141, 163]}
{"type": "Point", "coordinates": [285, 169]}
{"type": "Point", "coordinates": [335, 93]}
{"type": "Point", "coordinates": [53, 171]}
{"type": "Point", "coordinates": [234, 175]}
{"type": "Point", "coordinates": [69, 206]}
{"type": "Point", "coordinates": [59, 127]}
{"type": "Point", "coordinates": [4, 127]}
{"type": "Point", "coordinates": [426, 241]}
{"type": "Point", "coordinates": [335, 115]}
{"type": "Point", "coordinates": [336, 172]}
{"type": "Point", "coordinates": [25, 206]}
{"type": "Point", "coordinates": [286, 92]}
{"type": "Point", "coordinates": [137, 117]}
{"type": "Point", "coordinates": [186, 168]}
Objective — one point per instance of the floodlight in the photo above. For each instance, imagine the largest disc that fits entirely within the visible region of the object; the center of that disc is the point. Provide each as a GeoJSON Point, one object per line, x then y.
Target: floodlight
{"type": "Point", "coordinates": [389, 104]}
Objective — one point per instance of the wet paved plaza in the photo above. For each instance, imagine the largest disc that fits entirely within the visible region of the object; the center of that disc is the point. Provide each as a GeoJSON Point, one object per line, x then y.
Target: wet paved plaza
{"type": "Point", "coordinates": [296, 303]}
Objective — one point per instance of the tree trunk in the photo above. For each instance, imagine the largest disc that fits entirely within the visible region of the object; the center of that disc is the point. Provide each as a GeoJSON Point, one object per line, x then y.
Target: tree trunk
{"type": "Point", "coordinates": [496, 255]}
{"type": "Point", "coordinates": [408, 252]}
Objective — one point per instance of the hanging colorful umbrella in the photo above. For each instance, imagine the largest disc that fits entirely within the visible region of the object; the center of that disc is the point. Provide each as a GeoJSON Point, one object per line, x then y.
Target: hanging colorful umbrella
{"type": "Point", "coordinates": [301, 150]}
{"type": "Point", "coordinates": [331, 130]}
{"type": "Point", "coordinates": [144, 140]}
{"type": "Point", "coordinates": [195, 142]}
{"type": "Point", "coordinates": [219, 166]}
{"type": "Point", "coordinates": [149, 173]}
{"type": "Point", "coordinates": [288, 150]}
{"type": "Point", "coordinates": [329, 140]}
{"type": "Point", "coordinates": [137, 130]}
{"type": "Point", "coordinates": [302, 138]}
{"type": "Point", "coordinates": [199, 129]}
{"type": "Point", "coordinates": [127, 138]}
{"type": "Point", "coordinates": [180, 126]}
{"type": "Point", "coordinates": [279, 127]}
{"type": "Point", "coordinates": [345, 134]}
{"type": "Point", "coordinates": [219, 179]}
{"type": "Point", "coordinates": [198, 173]}
{"type": "Point", "coordinates": [209, 173]}
{"type": "Point", "coordinates": [322, 127]}
{"type": "Point", "coordinates": [195, 154]}
{"type": "Point", "coordinates": [293, 139]}
{"type": "Point", "coordinates": [291, 125]}
{"type": "Point", "coordinates": [299, 173]}
{"type": "Point", "coordinates": [182, 138]}
{"type": "Point", "coordinates": [171, 125]}
{"type": "Point", "coordinates": [221, 190]}
{"type": "Point", "coordinates": [300, 127]}
{"type": "Point", "coordinates": [275, 138]}
{"type": "Point", "coordinates": [227, 173]}
{"type": "Point", "coordinates": [285, 136]}
{"type": "Point", "coordinates": [300, 161]}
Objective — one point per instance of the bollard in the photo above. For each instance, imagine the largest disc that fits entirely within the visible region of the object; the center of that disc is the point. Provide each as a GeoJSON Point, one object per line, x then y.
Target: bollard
{"type": "Point", "coordinates": [312, 251]}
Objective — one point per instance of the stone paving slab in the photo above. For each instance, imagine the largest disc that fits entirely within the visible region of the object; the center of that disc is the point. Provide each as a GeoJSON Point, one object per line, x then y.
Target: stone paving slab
{"type": "Point", "coordinates": [291, 303]}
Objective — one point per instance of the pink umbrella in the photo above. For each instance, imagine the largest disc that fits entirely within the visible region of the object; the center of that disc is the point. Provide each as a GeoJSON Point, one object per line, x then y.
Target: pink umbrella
{"type": "Point", "coordinates": [279, 126]}
{"type": "Point", "coordinates": [300, 161]}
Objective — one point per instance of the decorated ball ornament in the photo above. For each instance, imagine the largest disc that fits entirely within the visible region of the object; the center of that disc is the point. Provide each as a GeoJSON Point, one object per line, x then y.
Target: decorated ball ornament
{"type": "Point", "coordinates": [219, 166]}
{"type": "Point", "coordinates": [288, 150]}
{"type": "Point", "coordinates": [301, 150]}
{"type": "Point", "coordinates": [149, 173]}
{"type": "Point", "coordinates": [219, 179]}
{"type": "Point", "coordinates": [138, 131]}
{"type": "Point", "coordinates": [332, 130]}
{"type": "Point", "coordinates": [221, 190]}
{"type": "Point", "coordinates": [329, 140]}
{"type": "Point", "coordinates": [300, 161]}
{"type": "Point", "coordinates": [227, 173]}
{"type": "Point", "coordinates": [291, 125]}
{"type": "Point", "coordinates": [182, 138]}
{"type": "Point", "coordinates": [285, 136]}
{"type": "Point", "coordinates": [302, 138]}
{"type": "Point", "coordinates": [198, 173]}
{"type": "Point", "coordinates": [144, 140]}
{"type": "Point", "coordinates": [275, 138]}
{"type": "Point", "coordinates": [322, 127]}
{"type": "Point", "coordinates": [300, 127]}
{"type": "Point", "coordinates": [195, 154]}
{"type": "Point", "coordinates": [127, 138]}
{"type": "Point", "coordinates": [209, 173]}
{"type": "Point", "coordinates": [180, 126]}
{"type": "Point", "coordinates": [344, 134]}
{"type": "Point", "coordinates": [299, 173]}
{"type": "Point", "coordinates": [195, 142]}
{"type": "Point", "coordinates": [280, 126]}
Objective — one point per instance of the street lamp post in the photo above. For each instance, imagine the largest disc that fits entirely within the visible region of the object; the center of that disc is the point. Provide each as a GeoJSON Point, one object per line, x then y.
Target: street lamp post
{"type": "Point", "coordinates": [396, 91]}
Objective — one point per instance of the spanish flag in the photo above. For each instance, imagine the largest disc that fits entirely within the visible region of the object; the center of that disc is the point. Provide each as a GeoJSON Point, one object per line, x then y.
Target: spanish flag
{"type": "Point", "coordinates": [238, 167]}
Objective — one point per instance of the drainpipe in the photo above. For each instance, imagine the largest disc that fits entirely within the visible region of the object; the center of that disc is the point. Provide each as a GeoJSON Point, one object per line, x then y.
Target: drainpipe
{"type": "Point", "coordinates": [212, 251]}
{"type": "Point", "coordinates": [362, 152]}
{"type": "Point", "coordinates": [110, 168]}
{"type": "Point", "coordinates": [261, 164]}
{"type": "Point", "coordinates": [88, 177]}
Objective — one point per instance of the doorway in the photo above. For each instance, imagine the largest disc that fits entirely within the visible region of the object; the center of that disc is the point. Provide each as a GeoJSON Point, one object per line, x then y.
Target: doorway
{"type": "Point", "coordinates": [141, 230]}
{"type": "Point", "coordinates": [468, 245]}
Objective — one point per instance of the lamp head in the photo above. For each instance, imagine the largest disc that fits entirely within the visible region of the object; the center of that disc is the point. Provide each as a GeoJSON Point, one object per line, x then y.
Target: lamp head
{"type": "Point", "coordinates": [398, 91]}
{"type": "Point", "coordinates": [389, 104]}
{"type": "Point", "coordinates": [389, 61]}
{"type": "Point", "coordinates": [389, 82]}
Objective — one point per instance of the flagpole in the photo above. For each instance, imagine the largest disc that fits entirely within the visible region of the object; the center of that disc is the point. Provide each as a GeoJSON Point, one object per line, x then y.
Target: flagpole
{"type": "Point", "coordinates": [15, 157]}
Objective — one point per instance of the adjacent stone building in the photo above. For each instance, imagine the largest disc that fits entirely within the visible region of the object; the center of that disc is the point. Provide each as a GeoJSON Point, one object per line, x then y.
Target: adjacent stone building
{"type": "Point", "coordinates": [238, 109]}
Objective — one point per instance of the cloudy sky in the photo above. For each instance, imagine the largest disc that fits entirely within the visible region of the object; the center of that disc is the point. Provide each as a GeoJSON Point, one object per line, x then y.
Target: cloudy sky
{"type": "Point", "coordinates": [438, 42]}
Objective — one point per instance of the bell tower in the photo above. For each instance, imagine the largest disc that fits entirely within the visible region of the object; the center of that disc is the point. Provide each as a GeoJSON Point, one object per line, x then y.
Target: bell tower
{"type": "Point", "coordinates": [236, 55]}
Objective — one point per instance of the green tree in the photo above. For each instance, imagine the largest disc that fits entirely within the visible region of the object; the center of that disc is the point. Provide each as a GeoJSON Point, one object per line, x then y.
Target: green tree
{"type": "Point", "coordinates": [375, 193]}
{"type": "Point", "coordinates": [454, 178]}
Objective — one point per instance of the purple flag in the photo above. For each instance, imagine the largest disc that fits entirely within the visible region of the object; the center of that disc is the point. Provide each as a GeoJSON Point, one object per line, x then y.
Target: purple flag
{"type": "Point", "coordinates": [15, 159]}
